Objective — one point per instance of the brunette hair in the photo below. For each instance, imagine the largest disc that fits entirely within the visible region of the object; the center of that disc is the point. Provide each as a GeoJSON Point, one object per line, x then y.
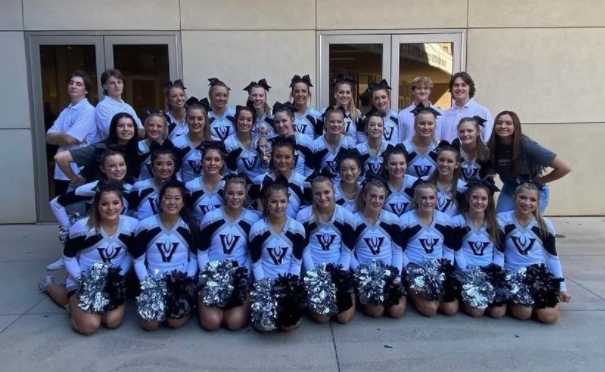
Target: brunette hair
{"type": "Point", "coordinates": [482, 152]}
{"type": "Point", "coordinates": [434, 177]}
{"type": "Point", "coordinates": [185, 212]}
{"type": "Point", "coordinates": [360, 203]}
{"type": "Point", "coordinates": [103, 187]}
{"type": "Point", "coordinates": [110, 73]}
{"type": "Point", "coordinates": [467, 79]}
{"type": "Point", "coordinates": [85, 79]}
{"type": "Point", "coordinates": [494, 143]}
{"type": "Point", "coordinates": [493, 228]}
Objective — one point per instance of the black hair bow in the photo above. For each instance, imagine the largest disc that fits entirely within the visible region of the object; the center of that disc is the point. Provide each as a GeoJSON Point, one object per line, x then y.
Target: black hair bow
{"type": "Point", "coordinates": [420, 107]}
{"type": "Point", "coordinates": [212, 145]}
{"type": "Point", "coordinates": [106, 185]}
{"type": "Point", "coordinates": [525, 179]}
{"type": "Point", "coordinates": [165, 145]}
{"type": "Point", "coordinates": [261, 82]}
{"type": "Point", "coordinates": [203, 102]}
{"type": "Point", "coordinates": [331, 108]}
{"type": "Point", "coordinates": [369, 176]}
{"type": "Point", "coordinates": [325, 172]}
{"type": "Point", "coordinates": [480, 120]}
{"type": "Point", "coordinates": [391, 148]}
{"type": "Point", "coordinates": [278, 106]}
{"type": "Point", "coordinates": [176, 83]}
{"type": "Point", "coordinates": [341, 78]}
{"type": "Point", "coordinates": [383, 84]}
{"type": "Point", "coordinates": [297, 79]}
{"type": "Point", "coordinates": [279, 180]}
{"type": "Point", "coordinates": [149, 111]}
{"type": "Point", "coordinates": [487, 182]}
{"type": "Point", "coordinates": [343, 154]}
{"type": "Point", "coordinates": [374, 112]}
{"type": "Point", "coordinates": [214, 81]}
{"type": "Point", "coordinates": [281, 140]}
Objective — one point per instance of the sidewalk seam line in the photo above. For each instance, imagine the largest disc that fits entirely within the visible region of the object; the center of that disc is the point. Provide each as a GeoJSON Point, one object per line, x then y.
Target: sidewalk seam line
{"type": "Point", "coordinates": [21, 316]}
{"type": "Point", "coordinates": [335, 348]}
{"type": "Point", "coordinates": [570, 279]}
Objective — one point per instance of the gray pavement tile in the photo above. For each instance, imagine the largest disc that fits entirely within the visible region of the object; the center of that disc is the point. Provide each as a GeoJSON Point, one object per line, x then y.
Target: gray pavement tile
{"type": "Point", "coordinates": [583, 236]}
{"type": "Point", "coordinates": [19, 286]}
{"type": "Point", "coordinates": [46, 306]}
{"type": "Point", "coordinates": [582, 299]}
{"type": "Point", "coordinates": [6, 320]}
{"type": "Point", "coordinates": [39, 342]}
{"type": "Point", "coordinates": [462, 343]}
{"type": "Point", "coordinates": [589, 272]}
{"type": "Point", "coordinates": [29, 242]}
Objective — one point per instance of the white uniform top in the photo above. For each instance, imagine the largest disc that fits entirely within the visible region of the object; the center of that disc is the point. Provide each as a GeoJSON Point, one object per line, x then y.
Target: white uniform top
{"type": "Point", "coordinates": [400, 201]}
{"type": "Point", "coordinates": [175, 128]}
{"type": "Point", "coordinates": [476, 245]}
{"type": "Point", "coordinates": [370, 161]}
{"type": "Point", "coordinates": [406, 123]}
{"type": "Point", "coordinates": [309, 123]}
{"type": "Point", "coordinates": [445, 202]}
{"type": "Point", "coordinates": [222, 127]}
{"type": "Point", "coordinates": [420, 165]}
{"type": "Point", "coordinates": [422, 243]}
{"type": "Point", "coordinates": [143, 199]}
{"type": "Point", "coordinates": [343, 200]}
{"type": "Point", "coordinates": [453, 115]}
{"type": "Point", "coordinates": [105, 111]}
{"type": "Point", "coordinates": [78, 121]}
{"type": "Point", "coordinates": [324, 154]}
{"type": "Point", "coordinates": [204, 200]}
{"type": "Point", "coordinates": [381, 241]}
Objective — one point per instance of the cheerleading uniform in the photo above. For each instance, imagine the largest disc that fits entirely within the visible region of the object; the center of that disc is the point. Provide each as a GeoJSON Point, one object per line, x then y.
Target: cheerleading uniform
{"type": "Point", "coordinates": [303, 154]}
{"type": "Point", "coordinates": [84, 193]}
{"type": "Point", "coordinates": [159, 250]}
{"type": "Point", "coordinates": [145, 172]}
{"type": "Point", "coordinates": [274, 253]}
{"type": "Point", "coordinates": [391, 127]}
{"type": "Point", "coordinates": [144, 199]}
{"type": "Point", "coordinates": [422, 243]}
{"type": "Point", "coordinates": [406, 122]}
{"type": "Point", "coordinates": [190, 156]}
{"type": "Point", "coordinates": [268, 121]}
{"type": "Point", "coordinates": [309, 123]}
{"type": "Point", "coordinates": [381, 241]}
{"type": "Point", "coordinates": [370, 161]}
{"type": "Point", "coordinates": [175, 128]}
{"type": "Point", "coordinates": [246, 160]}
{"type": "Point", "coordinates": [223, 239]}
{"type": "Point", "coordinates": [420, 165]}
{"type": "Point", "coordinates": [445, 203]}
{"type": "Point", "coordinates": [476, 245]}
{"type": "Point", "coordinates": [86, 246]}
{"type": "Point", "coordinates": [351, 125]}
{"type": "Point", "coordinates": [469, 169]}
{"type": "Point", "coordinates": [298, 190]}
{"type": "Point", "coordinates": [204, 200]}
{"type": "Point", "coordinates": [526, 246]}
{"type": "Point", "coordinates": [400, 201]}
{"type": "Point", "coordinates": [222, 127]}
{"type": "Point", "coordinates": [341, 198]}
{"type": "Point", "coordinates": [327, 241]}
{"type": "Point", "coordinates": [324, 154]}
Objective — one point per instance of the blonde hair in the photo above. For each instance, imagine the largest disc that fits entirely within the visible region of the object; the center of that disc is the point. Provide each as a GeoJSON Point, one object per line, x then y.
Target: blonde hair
{"type": "Point", "coordinates": [351, 106]}
{"type": "Point", "coordinates": [493, 229]}
{"type": "Point", "coordinates": [266, 109]}
{"type": "Point", "coordinates": [423, 185]}
{"type": "Point", "coordinates": [197, 106]}
{"type": "Point", "coordinates": [537, 214]}
{"type": "Point", "coordinates": [425, 112]}
{"type": "Point", "coordinates": [315, 208]}
{"type": "Point", "coordinates": [421, 80]}
{"type": "Point", "coordinates": [360, 203]}
{"type": "Point", "coordinates": [164, 123]}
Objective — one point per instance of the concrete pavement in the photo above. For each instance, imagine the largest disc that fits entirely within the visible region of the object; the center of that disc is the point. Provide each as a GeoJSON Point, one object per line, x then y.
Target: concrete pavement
{"type": "Point", "coordinates": [35, 334]}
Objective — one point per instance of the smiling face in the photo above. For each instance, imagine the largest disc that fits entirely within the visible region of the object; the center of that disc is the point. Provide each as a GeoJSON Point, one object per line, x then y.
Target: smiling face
{"type": "Point", "coordinates": [196, 120]}
{"type": "Point", "coordinates": [375, 127]}
{"type": "Point", "coordinates": [323, 194]}
{"type": "Point", "coordinates": [177, 98]}
{"type": "Point", "coordinates": [212, 162]}
{"type": "Point", "coordinates": [110, 206]}
{"type": "Point", "coordinates": [504, 126]}
{"type": "Point", "coordinates": [76, 88]}
{"type": "Point", "coordinates": [425, 125]}
{"type": "Point", "coordinates": [300, 94]}
{"type": "Point", "coordinates": [155, 128]}
{"type": "Point", "coordinates": [343, 93]}
{"type": "Point", "coordinates": [467, 132]}
{"type": "Point", "coordinates": [219, 97]}
{"type": "Point", "coordinates": [335, 122]}
{"type": "Point", "coordinates": [283, 123]}
{"type": "Point", "coordinates": [374, 198]}
{"type": "Point", "coordinates": [114, 167]}
{"type": "Point", "coordinates": [245, 120]}
{"type": "Point", "coordinates": [172, 201]}
{"type": "Point", "coordinates": [349, 171]}
{"type": "Point", "coordinates": [421, 93]}
{"type": "Point", "coordinates": [235, 195]}
{"type": "Point", "coordinates": [283, 159]}
{"type": "Point", "coordinates": [125, 129]}
{"type": "Point", "coordinates": [460, 90]}
{"type": "Point", "coordinates": [380, 99]}
{"type": "Point", "coordinates": [478, 200]}
{"type": "Point", "coordinates": [114, 87]}
{"type": "Point", "coordinates": [396, 166]}
{"type": "Point", "coordinates": [527, 201]}
{"type": "Point", "coordinates": [163, 167]}
{"type": "Point", "coordinates": [258, 96]}
{"type": "Point", "coordinates": [447, 162]}
{"type": "Point", "coordinates": [425, 199]}
{"type": "Point", "coordinates": [277, 203]}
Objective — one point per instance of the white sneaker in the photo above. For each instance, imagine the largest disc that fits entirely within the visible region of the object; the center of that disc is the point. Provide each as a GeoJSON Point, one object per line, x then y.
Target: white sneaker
{"type": "Point", "coordinates": [45, 282]}
{"type": "Point", "coordinates": [55, 265]}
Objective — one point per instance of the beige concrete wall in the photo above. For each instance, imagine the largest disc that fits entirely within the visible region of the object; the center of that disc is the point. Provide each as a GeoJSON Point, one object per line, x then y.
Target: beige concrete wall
{"type": "Point", "coordinates": [101, 15]}
{"type": "Point", "coordinates": [239, 57]}
{"type": "Point", "coordinates": [11, 15]}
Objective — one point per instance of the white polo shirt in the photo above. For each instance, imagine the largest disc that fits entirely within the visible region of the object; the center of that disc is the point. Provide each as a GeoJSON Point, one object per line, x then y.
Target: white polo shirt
{"type": "Point", "coordinates": [77, 121]}
{"type": "Point", "coordinates": [472, 108]}
{"type": "Point", "coordinates": [105, 111]}
{"type": "Point", "coordinates": [406, 123]}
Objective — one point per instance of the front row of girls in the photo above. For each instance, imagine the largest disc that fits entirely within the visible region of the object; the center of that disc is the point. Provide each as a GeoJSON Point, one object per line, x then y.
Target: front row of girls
{"type": "Point", "coordinates": [170, 243]}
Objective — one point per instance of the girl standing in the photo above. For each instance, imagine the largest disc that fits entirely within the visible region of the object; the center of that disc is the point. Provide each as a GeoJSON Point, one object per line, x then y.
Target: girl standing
{"type": "Point", "coordinates": [221, 117]}
{"type": "Point", "coordinates": [327, 146]}
{"type": "Point", "coordinates": [421, 147]}
{"type": "Point", "coordinates": [450, 188]}
{"type": "Point", "coordinates": [307, 121]}
{"type": "Point", "coordinates": [283, 116]}
{"type": "Point", "coordinates": [473, 152]}
{"type": "Point", "coordinates": [206, 191]}
{"type": "Point", "coordinates": [400, 185]}
{"type": "Point", "coordinates": [176, 114]}
{"type": "Point", "coordinates": [343, 94]}
{"type": "Point", "coordinates": [187, 146]}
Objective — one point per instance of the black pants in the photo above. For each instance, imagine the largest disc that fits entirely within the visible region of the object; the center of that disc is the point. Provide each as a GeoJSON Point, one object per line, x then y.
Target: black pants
{"type": "Point", "coordinates": [61, 187]}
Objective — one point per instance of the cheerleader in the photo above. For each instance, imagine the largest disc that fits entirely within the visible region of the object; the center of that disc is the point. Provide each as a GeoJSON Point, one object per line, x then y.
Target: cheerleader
{"type": "Point", "coordinates": [207, 191]}
{"type": "Point", "coordinates": [343, 94]}
{"type": "Point", "coordinates": [329, 240]}
{"type": "Point", "coordinates": [421, 147]}
{"type": "Point", "coordinates": [276, 249]}
{"type": "Point", "coordinates": [517, 158]}
{"type": "Point", "coordinates": [347, 188]}
{"type": "Point", "coordinates": [400, 185]}
{"type": "Point", "coordinates": [372, 151]}
{"type": "Point", "coordinates": [176, 114]}
{"type": "Point", "coordinates": [326, 147]}
{"type": "Point", "coordinates": [447, 180]}
{"type": "Point", "coordinates": [123, 135]}
{"type": "Point", "coordinates": [257, 96]}
{"type": "Point", "coordinates": [462, 88]}
{"type": "Point", "coordinates": [307, 121]}
{"type": "Point", "coordinates": [282, 165]}
{"type": "Point", "coordinates": [221, 117]}
{"type": "Point", "coordinates": [428, 236]}
{"type": "Point", "coordinates": [165, 249]}
{"type": "Point", "coordinates": [156, 131]}
{"type": "Point", "coordinates": [378, 238]}
{"type": "Point", "coordinates": [104, 237]}
{"type": "Point", "coordinates": [529, 243]}
{"type": "Point", "coordinates": [224, 238]}
{"type": "Point", "coordinates": [244, 158]}
{"type": "Point", "coordinates": [477, 236]}
{"type": "Point", "coordinates": [283, 116]}
{"type": "Point", "coordinates": [421, 90]}
{"type": "Point", "coordinates": [381, 102]}
{"type": "Point", "coordinates": [143, 198]}
{"type": "Point", "coordinates": [473, 152]}
{"type": "Point", "coordinates": [187, 145]}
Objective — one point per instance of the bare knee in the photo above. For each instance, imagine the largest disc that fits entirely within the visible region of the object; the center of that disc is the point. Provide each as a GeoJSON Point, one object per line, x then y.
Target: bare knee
{"type": "Point", "coordinates": [292, 327]}
{"type": "Point", "coordinates": [521, 312]}
{"type": "Point", "coordinates": [318, 318]}
{"type": "Point", "coordinates": [86, 326]}
{"type": "Point", "coordinates": [345, 316]}
{"type": "Point", "coordinates": [374, 311]}
{"type": "Point", "coordinates": [472, 311]}
{"type": "Point", "coordinates": [396, 311]}
{"type": "Point", "coordinates": [177, 323]}
{"type": "Point", "coordinates": [149, 325]}
{"type": "Point", "coordinates": [449, 308]}
{"type": "Point", "coordinates": [548, 316]}
{"type": "Point", "coordinates": [235, 322]}
{"type": "Point", "coordinates": [426, 308]}
{"type": "Point", "coordinates": [497, 312]}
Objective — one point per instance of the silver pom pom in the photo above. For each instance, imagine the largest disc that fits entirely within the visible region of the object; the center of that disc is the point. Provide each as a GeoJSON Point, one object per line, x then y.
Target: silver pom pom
{"type": "Point", "coordinates": [520, 291]}
{"type": "Point", "coordinates": [216, 283]}
{"type": "Point", "coordinates": [91, 295]}
{"type": "Point", "coordinates": [321, 291]}
{"type": "Point", "coordinates": [64, 230]}
{"type": "Point", "coordinates": [476, 289]}
{"type": "Point", "coordinates": [264, 305]}
{"type": "Point", "coordinates": [371, 281]}
{"type": "Point", "coordinates": [151, 303]}
{"type": "Point", "coordinates": [425, 279]}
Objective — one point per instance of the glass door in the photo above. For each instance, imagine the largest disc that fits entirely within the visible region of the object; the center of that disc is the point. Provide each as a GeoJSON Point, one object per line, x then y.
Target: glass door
{"type": "Point", "coordinates": [365, 58]}
{"type": "Point", "coordinates": [437, 56]}
{"type": "Point", "coordinates": [53, 58]}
